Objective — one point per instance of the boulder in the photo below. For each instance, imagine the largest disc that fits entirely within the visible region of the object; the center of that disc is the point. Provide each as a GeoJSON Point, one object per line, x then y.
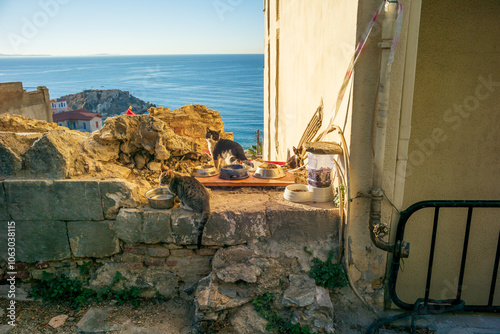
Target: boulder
{"type": "Point", "coordinates": [57, 154]}
{"type": "Point", "coordinates": [191, 121]}
{"type": "Point", "coordinates": [12, 147]}
{"type": "Point", "coordinates": [247, 321]}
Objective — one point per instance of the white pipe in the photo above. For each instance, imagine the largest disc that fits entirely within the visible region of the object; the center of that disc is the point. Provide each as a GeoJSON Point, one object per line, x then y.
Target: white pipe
{"type": "Point", "coordinates": [376, 225]}
{"type": "Point", "coordinates": [406, 107]}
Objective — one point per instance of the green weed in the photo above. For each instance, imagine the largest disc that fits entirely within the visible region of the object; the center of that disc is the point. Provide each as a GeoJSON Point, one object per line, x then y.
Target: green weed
{"type": "Point", "coordinates": [328, 274]}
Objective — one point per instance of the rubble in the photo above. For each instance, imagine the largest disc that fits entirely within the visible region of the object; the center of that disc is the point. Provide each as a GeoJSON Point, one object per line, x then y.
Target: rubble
{"type": "Point", "coordinates": [192, 121]}
{"type": "Point", "coordinates": [127, 146]}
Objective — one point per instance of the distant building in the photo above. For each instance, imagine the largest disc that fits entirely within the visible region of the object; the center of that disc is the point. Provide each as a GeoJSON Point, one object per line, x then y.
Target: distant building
{"type": "Point", "coordinates": [15, 100]}
{"type": "Point", "coordinates": [81, 120]}
{"type": "Point", "coordinates": [59, 105]}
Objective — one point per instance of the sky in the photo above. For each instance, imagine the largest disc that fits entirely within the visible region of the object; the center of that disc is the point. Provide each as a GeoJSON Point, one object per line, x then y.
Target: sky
{"type": "Point", "coordinates": [131, 27]}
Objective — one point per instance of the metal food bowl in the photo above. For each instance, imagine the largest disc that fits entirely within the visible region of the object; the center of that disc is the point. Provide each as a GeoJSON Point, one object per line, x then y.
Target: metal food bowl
{"type": "Point", "coordinates": [234, 172]}
{"type": "Point", "coordinates": [160, 198]}
{"type": "Point", "coordinates": [204, 171]}
{"type": "Point", "coordinates": [269, 171]}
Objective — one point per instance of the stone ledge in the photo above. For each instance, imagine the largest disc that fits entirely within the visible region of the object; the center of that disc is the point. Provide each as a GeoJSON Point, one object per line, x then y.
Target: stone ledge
{"type": "Point", "coordinates": [235, 219]}
{"type": "Point", "coordinates": [67, 200]}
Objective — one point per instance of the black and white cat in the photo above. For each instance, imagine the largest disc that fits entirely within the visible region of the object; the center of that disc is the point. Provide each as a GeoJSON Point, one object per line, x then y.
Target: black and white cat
{"type": "Point", "coordinates": [226, 150]}
{"type": "Point", "coordinates": [192, 194]}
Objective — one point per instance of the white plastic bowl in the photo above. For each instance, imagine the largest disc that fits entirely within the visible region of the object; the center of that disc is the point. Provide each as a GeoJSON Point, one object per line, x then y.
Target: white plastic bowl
{"type": "Point", "coordinates": [297, 196]}
{"type": "Point", "coordinates": [321, 195]}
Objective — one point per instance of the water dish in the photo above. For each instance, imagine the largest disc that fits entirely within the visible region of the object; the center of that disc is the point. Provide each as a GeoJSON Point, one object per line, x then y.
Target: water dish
{"type": "Point", "coordinates": [234, 172]}
{"type": "Point", "coordinates": [160, 198]}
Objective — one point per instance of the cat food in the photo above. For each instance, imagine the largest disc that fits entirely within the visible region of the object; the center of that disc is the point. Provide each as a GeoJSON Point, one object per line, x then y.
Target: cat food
{"type": "Point", "coordinates": [268, 166]}
{"type": "Point", "coordinates": [299, 190]}
{"type": "Point", "coordinates": [319, 177]}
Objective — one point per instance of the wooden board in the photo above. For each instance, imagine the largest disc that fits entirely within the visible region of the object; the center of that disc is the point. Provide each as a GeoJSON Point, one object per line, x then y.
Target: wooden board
{"type": "Point", "coordinates": [215, 181]}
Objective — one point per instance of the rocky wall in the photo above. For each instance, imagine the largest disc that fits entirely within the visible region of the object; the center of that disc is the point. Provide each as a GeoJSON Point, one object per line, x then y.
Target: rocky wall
{"type": "Point", "coordinates": [253, 243]}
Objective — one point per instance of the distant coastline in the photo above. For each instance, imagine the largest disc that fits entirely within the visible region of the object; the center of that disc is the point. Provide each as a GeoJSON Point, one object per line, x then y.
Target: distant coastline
{"type": "Point", "coordinates": [232, 84]}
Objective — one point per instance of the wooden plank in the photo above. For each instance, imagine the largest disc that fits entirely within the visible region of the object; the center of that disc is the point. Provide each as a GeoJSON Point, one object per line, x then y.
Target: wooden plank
{"type": "Point", "coordinates": [251, 181]}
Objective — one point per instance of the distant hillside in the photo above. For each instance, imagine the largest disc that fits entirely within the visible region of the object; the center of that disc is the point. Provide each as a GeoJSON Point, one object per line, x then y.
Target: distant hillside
{"type": "Point", "coordinates": [108, 102]}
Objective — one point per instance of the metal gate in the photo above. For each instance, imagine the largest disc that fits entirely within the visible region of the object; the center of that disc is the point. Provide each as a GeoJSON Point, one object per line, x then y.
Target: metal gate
{"type": "Point", "coordinates": [426, 305]}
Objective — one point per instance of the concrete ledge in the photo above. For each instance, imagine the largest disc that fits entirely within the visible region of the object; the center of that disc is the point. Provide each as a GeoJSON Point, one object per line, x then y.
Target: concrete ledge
{"type": "Point", "coordinates": [235, 219]}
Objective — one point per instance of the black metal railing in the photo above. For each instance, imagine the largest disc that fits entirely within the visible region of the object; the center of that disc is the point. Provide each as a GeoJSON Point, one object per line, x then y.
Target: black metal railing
{"type": "Point", "coordinates": [426, 305]}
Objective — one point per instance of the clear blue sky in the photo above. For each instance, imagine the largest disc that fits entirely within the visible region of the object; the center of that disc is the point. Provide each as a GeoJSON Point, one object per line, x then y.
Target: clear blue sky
{"type": "Point", "coordinates": [133, 27]}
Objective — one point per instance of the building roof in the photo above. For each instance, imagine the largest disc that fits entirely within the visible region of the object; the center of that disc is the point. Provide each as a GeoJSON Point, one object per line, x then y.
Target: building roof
{"type": "Point", "coordinates": [80, 114]}
{"type": "Point", "coordinates": [58, 100]}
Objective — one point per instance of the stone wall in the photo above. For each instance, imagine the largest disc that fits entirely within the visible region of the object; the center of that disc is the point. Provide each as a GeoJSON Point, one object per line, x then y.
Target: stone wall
{"type": "Point", "coordinates": [15, 100]}
{"type": "Point", "coordinates": [62, 226]}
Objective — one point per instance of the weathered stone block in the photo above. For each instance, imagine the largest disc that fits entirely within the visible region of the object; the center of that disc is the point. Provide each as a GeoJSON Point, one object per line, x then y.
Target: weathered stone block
{"type": "Point", "coordinates": [190, 269]}
{"type": "Point", "coordinates": [185, 226]}
{"type": "Point", "coordinates": [301, 292]}
{"type": "Point", "coordinates": [134, 225]}
{"type": "Point", "coordinates": [299, 223]}
{"type": "Point", "coordinates": [4, 213]}
{"type": "Point", "coordinates": [232, 223]}
{"type": "Point", "coordinates": [149, 280]}
{"type": "Point", "coordinates": [38, 241]}
{"type": "Point", "coordinates": [118, 194]}
{"type": "Point", "coordinates": [12, 147]}
{"type": "Point", "coordinates": [57, 154]}
{"type": "Point", "coordinates": [93, 238]}
{"type": "Point", "coordinates": [129, 225]}
{"type": "Point", "coordinates": [29, 199]}
{"type": "Point", "coordinates": [77, 200]}
{"type": "Point", "coordinates": [156, 227]}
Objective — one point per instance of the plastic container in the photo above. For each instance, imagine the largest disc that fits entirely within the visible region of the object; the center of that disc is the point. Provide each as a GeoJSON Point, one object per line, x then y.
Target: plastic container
{"type": "Point", "coordinates": [321, 195]}
{"type": "Point", "coordinates": [319, 169]}
{"type": "Point", "coordinates": [297, 193]}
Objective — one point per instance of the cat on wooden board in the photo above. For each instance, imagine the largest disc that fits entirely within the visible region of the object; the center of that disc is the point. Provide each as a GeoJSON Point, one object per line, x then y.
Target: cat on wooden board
{"type": "Point", "coordinates": [192, 194]}
{"type": "Point", "coordinates": [225, 150]}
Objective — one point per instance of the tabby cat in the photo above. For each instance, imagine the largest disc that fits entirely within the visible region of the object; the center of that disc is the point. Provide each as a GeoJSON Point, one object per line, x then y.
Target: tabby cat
{"type": "Point", "coordinates": [224, 149]}
{"type": "Point", "coordinates": [192, 194]}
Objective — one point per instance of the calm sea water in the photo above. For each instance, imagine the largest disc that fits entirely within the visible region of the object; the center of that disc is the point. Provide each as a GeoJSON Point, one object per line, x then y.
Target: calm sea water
{"type": "Point", "coordinates": [230, 84]}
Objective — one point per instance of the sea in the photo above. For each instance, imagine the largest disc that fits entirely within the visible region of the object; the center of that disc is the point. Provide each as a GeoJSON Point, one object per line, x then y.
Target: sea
{"type": "Point", "coordinates": [231, 84]}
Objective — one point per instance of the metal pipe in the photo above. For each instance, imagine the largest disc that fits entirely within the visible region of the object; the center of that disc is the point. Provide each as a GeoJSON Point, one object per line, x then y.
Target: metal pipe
{"type": "Point", "coordinates": [378, 229]}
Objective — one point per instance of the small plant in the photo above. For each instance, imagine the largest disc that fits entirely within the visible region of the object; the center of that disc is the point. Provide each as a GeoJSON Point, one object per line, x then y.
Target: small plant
{"type": "Point", "coordinates": [340, 193]}
{"type": "Point", "coordinates": [59, 288]}
{"type": "Point", "coordinates": [252, 151]}
{"type": "Point", "coordinates": [328, 274]}
{"type": "Point", "coordinates": [85, 268]}
{"type": "Point", "coordinates": [276, 324]}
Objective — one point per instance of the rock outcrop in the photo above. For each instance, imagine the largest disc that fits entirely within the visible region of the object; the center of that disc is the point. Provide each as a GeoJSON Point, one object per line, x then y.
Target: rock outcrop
{"type": "Point", "coordinates": [241, 274]}
{"type": "Point", "coordinates": [17, 123]}
{"type": "Point", "coordinates": [125, 144]}
{"type": "Point", "coordinates": [192, 121]}
{"type": "Point", "coordinates": [110, 102]}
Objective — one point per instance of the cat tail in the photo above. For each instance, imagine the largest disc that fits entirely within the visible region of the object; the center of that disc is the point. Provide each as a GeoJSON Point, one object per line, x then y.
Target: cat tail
{"type": "Point", "coordinates": [205, 215]}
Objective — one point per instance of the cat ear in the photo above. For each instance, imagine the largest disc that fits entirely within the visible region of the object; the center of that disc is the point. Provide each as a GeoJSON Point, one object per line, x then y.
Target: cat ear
{"type": "Point", "coordinates": [218, 132]}
{"type": "Point", "coordinates": [208, 130]}
{"type": "Point", "coordinates": [163, 168]}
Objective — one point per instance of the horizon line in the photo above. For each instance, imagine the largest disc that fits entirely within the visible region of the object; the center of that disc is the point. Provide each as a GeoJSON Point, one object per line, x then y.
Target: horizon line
{"type": "Point", "coordinates": [125, 55]}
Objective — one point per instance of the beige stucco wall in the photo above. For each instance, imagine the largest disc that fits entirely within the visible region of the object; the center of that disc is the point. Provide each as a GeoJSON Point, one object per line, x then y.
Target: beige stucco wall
{"type": "Point", "coordinates": [453, 152]}
{"type": "Point", "coordinates": [317, 39]}
{"type": "Point", "coordinates": [15, 100]}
